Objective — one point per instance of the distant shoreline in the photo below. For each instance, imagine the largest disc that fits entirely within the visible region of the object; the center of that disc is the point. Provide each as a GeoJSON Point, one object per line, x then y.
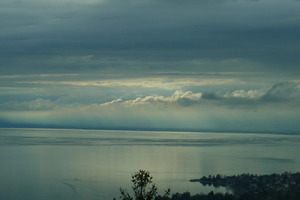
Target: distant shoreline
{"type": "Point", "coordinates": [252, 183]}
{"type": "Point", "coordinates": [153, 129]}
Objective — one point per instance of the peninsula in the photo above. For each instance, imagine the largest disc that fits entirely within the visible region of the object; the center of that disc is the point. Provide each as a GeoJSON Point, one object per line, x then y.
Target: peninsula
{"type": "Point", "coordinates": [273, 186]}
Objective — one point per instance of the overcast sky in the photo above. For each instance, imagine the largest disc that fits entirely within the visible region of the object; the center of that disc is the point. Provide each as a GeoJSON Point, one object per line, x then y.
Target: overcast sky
{"type": "Point", "coordinates": [206, 65]}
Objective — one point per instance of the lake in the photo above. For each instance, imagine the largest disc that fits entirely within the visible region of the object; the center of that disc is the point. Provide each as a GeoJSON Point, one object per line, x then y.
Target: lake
{"type": "Point", "coordinates": [58, 164]}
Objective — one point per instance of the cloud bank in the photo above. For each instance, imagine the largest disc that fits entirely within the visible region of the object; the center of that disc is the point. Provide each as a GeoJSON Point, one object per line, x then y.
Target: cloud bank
{"type": "Point", "coordinates": [274, 110]}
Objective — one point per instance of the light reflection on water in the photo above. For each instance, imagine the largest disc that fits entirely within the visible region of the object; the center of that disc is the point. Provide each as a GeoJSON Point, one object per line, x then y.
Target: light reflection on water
{"type": "Point", "coordinates": [80, 164]}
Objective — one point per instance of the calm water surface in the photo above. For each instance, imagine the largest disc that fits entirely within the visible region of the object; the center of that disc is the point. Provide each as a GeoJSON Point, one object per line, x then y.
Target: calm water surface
{"type": "Point", "coordinates": [90, 164]}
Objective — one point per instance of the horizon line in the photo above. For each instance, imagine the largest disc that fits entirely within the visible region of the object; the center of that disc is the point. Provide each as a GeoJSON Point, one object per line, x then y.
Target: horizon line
{"type": "Point", "coordinates": [156, 129]}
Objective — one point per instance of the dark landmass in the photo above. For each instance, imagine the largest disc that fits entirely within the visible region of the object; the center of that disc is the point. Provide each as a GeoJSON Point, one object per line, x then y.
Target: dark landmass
{"type": "Point", "coordinates": [285, 186]}
{"type": "Point", "coordinates": [253, 183]}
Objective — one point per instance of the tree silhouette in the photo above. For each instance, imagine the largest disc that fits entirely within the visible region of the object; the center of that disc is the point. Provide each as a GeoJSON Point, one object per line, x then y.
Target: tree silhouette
{"type": "Point", "coordinates": [141, 187]}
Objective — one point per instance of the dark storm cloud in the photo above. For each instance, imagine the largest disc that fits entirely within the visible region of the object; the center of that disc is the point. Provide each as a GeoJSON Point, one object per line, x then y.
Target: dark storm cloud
{"type": "Point", "coordinates": [38, 104]}
{"type": "Point", "coordinates": [45, 36]}
{"type": "Point", "coordinates": [205, 64]}
{"type": "Point", "coordinates": [282, 92]}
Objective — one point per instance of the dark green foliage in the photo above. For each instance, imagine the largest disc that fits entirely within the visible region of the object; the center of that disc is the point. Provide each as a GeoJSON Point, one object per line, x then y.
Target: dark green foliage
{"type": "Point", "coordinates": [143, 188]}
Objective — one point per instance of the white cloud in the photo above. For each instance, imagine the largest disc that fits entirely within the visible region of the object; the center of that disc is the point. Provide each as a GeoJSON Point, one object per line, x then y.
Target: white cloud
{"type": "Point", "coordinates": [111, 102]}
{"type": "Point", "coordinates": [188, 98]}
{"type": "Point", "coordinates": [280, 91]}
{"type": "Point", "coordinates": [178, 97]}
{"type": "Point", "coordinates": [146, 101]}
{"type": "Point", "coordinates": [250, 94]}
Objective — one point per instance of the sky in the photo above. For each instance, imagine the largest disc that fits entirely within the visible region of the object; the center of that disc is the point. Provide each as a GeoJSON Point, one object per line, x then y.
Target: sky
{"type": "Point", "coordinates": [193, 65]}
